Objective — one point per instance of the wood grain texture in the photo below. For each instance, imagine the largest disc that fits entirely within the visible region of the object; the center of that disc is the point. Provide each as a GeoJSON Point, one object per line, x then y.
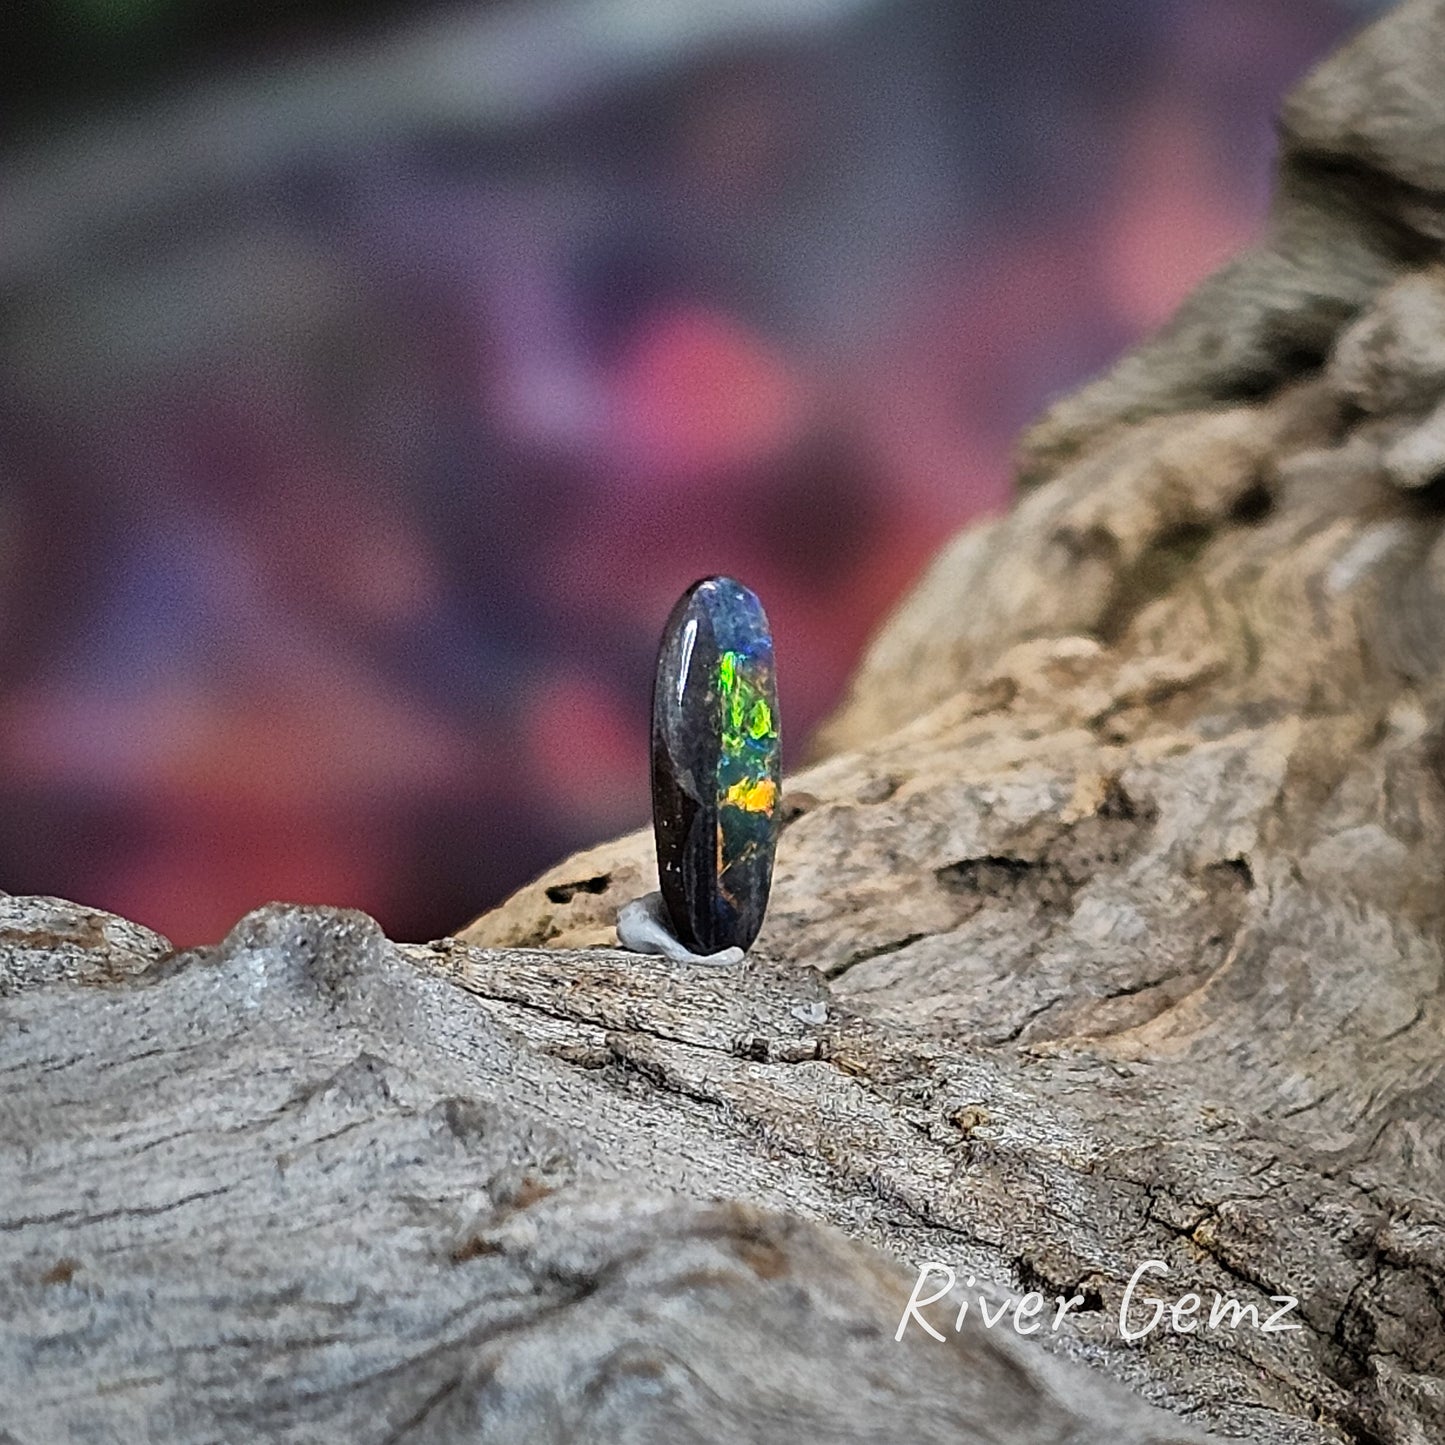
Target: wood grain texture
{"type": "Point", "coordinates": [302, 1187]}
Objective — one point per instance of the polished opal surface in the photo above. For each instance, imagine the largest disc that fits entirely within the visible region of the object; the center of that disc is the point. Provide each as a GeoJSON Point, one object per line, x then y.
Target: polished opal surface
{"type": "Point", "coordinates": [715, 765]}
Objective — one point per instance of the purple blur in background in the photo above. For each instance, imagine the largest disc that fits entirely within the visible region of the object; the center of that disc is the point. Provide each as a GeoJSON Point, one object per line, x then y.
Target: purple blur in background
{"type": "Point", "coordinates": [372, 380]}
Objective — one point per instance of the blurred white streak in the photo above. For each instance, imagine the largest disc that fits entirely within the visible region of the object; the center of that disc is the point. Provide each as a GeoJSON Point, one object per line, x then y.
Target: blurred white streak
{"type": "Point", "coordinates": [59, 197]}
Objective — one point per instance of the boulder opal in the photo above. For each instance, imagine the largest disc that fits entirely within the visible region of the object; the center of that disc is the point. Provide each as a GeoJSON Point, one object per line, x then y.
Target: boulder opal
{"type": "Point", "coordinates": [715, 765]}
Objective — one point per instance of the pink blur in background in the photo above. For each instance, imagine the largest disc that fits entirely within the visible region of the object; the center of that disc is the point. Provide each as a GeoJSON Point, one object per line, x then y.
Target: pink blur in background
{"type": "Point", "coordinates": [370, 386]}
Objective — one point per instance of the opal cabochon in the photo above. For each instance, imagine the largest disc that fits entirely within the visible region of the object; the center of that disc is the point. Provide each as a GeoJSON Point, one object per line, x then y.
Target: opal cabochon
{"type": "Point", "coordinates": [716, 769]}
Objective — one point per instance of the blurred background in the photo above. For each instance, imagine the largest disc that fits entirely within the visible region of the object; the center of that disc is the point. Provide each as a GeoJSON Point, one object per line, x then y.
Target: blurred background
{"type": "Point", "coordinates": [374, 375]}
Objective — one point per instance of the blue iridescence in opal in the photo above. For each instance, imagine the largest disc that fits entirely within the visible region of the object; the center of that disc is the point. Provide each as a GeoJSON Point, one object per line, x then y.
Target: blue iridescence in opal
{"type": "Point", "coordinates": [716, 765]}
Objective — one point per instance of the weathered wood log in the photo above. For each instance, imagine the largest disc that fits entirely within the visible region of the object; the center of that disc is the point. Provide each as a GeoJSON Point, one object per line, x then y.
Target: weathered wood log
{"type": "Point", "coordinates": [302, 1187]}
{"type": "Point", "coordinates": [1108, 929]}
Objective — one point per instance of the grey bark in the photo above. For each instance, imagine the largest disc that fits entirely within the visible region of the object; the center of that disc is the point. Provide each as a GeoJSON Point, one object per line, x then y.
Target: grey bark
{"type": "Point", "coordinates": [1108, 928]}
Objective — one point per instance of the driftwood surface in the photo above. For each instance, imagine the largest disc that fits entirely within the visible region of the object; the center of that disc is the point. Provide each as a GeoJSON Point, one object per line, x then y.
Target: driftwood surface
{"type": "Point", "coordinates": [1107, 928]}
